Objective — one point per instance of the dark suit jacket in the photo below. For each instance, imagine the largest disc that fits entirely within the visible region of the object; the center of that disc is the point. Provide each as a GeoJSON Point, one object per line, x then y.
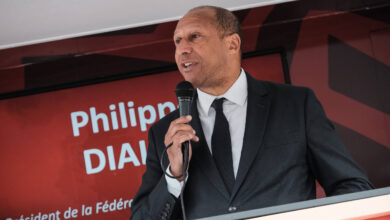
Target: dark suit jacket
{"type": "Point", "coordinates": [288, 143]}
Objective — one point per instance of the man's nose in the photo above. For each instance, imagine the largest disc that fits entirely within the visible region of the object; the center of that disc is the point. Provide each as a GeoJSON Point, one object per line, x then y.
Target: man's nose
{"type": "Point", "coordinates": [184, 48]}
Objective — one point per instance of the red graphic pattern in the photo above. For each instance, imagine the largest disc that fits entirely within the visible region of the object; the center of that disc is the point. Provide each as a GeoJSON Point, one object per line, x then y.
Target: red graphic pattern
{"type": "Point", "coordinates": [43, 165]}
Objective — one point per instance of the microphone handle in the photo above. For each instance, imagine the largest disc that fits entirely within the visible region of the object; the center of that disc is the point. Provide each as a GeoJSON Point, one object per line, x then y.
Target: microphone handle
{"type": "Point", "coordinates": [185, 149]}
{"type": "Point", "coordinates": [184, 109]}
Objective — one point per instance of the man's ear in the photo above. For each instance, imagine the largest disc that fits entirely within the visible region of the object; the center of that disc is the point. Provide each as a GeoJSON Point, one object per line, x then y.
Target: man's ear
{"type": "Point", "coordinates": [233, 43]}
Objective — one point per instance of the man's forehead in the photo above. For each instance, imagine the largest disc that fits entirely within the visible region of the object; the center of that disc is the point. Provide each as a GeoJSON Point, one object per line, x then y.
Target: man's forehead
{"type": "Point", "coordinates": [195, 20]}
{"type": "Point", "coordinates": [189, 25]}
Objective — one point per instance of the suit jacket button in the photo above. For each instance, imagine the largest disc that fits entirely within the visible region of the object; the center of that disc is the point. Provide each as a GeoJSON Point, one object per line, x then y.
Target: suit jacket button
{"type": "Point", "coordinates": [232, 209]}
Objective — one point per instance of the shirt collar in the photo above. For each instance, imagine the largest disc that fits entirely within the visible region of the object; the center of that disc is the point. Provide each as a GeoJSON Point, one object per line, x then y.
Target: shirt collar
{"type": "Point", "coordinates": [237, 94]}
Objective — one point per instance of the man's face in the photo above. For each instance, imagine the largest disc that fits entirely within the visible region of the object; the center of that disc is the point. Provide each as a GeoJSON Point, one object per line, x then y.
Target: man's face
{"type": "Point", "coordinates": [201, 54]}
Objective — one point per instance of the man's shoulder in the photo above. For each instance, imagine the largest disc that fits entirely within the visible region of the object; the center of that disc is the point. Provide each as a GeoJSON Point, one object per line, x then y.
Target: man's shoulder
{"type": "Point", "coordinates": [280, 89]}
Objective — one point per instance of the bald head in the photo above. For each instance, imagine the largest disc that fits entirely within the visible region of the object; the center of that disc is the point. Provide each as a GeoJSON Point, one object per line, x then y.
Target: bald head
{"type": "Point", "coordinates": [224, 20]}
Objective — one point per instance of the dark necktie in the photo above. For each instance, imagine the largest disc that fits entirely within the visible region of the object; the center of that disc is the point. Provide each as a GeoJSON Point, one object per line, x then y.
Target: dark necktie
{"type": "Point", "coordinates": [221, 145]}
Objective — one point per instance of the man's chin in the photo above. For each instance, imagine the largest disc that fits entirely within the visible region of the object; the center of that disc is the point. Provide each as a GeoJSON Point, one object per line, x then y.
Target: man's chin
{"type": "Point", "coordinates": [194, 82]}
{"type": "Point", "coordinates": [188, 77]}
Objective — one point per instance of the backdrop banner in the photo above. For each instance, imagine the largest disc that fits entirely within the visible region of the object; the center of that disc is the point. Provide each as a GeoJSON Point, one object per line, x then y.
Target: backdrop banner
{"type": "Point", "coordinates": [81, 152]}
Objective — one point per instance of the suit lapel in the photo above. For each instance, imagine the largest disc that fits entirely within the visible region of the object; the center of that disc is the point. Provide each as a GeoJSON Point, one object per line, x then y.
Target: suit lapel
{"type": "Point", "coordinates": [201, 154]}
{"type": "Point", "coordinates": [256, 119]}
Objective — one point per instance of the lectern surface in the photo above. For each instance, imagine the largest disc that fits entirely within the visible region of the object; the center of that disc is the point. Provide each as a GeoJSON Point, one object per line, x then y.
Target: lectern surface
{"type": "Point", "coordinates": [361, 205]}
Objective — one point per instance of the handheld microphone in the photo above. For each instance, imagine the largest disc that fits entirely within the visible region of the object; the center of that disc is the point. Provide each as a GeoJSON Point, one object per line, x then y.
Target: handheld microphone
{"type": "Point", "coordinates": [185, 93]}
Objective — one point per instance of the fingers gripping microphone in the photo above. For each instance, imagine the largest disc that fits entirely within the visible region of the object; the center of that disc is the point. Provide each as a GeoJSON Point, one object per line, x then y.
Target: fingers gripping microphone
{"type": "Point", "coordinates": [185, 93]}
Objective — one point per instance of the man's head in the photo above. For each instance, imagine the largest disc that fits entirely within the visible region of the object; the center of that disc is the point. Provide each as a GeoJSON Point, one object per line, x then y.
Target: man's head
{"type": "Point", "coordinates": [208, 51]}
{"type": "Point", "coordinates": [225, 21]}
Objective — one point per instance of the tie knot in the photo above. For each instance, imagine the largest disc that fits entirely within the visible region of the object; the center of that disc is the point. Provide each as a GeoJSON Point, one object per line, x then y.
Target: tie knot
{"type": "Point", "coordinates": [217, 104]}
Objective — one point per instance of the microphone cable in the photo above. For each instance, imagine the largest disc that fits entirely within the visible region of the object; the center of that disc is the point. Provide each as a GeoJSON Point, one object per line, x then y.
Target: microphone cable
{"type": "Point", "coordinates": [184, 174]}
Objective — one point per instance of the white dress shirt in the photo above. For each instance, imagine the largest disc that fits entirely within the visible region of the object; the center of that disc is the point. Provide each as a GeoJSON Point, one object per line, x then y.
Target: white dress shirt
{"type": "Point", "coordinates": [234, 109]}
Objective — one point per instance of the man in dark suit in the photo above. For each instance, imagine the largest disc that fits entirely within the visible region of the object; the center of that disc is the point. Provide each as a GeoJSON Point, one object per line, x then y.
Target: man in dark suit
{"type": "Point", "coordinates": [253, 143]}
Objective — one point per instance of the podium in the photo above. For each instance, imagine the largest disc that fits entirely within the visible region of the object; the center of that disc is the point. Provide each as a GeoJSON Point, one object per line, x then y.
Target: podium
{"type": "Point", "coordinates": [371, 204]}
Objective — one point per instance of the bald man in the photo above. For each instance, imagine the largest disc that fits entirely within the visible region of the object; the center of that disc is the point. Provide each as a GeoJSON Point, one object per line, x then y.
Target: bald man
{"type": "Point", "coordinates": [264, 144]}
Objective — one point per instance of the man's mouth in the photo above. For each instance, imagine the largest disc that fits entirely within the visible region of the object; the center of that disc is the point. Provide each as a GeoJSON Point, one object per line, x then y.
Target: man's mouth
{"type": "Point", "coordinates": [188, 65]}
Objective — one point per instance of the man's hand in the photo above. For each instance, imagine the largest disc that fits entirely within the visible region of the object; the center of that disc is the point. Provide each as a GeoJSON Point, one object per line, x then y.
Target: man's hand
{"type": "Point", "coordinates": [178, 132]}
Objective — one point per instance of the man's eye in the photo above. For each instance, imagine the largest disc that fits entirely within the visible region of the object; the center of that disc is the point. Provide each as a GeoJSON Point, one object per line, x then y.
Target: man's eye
{"type": "Point", "coordinates": [177, 41]}
{"type": "Point", "coordinates": [194, 36]}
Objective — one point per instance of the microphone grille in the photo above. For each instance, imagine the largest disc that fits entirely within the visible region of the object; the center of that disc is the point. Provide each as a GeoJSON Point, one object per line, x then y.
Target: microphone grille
{"type": "Point", "coordinates": [184, 89]}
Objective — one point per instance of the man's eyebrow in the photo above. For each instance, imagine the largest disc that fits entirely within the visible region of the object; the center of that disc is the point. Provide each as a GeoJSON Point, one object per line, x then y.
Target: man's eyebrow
{"type": "Point", "coordinates": [175, 32]}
